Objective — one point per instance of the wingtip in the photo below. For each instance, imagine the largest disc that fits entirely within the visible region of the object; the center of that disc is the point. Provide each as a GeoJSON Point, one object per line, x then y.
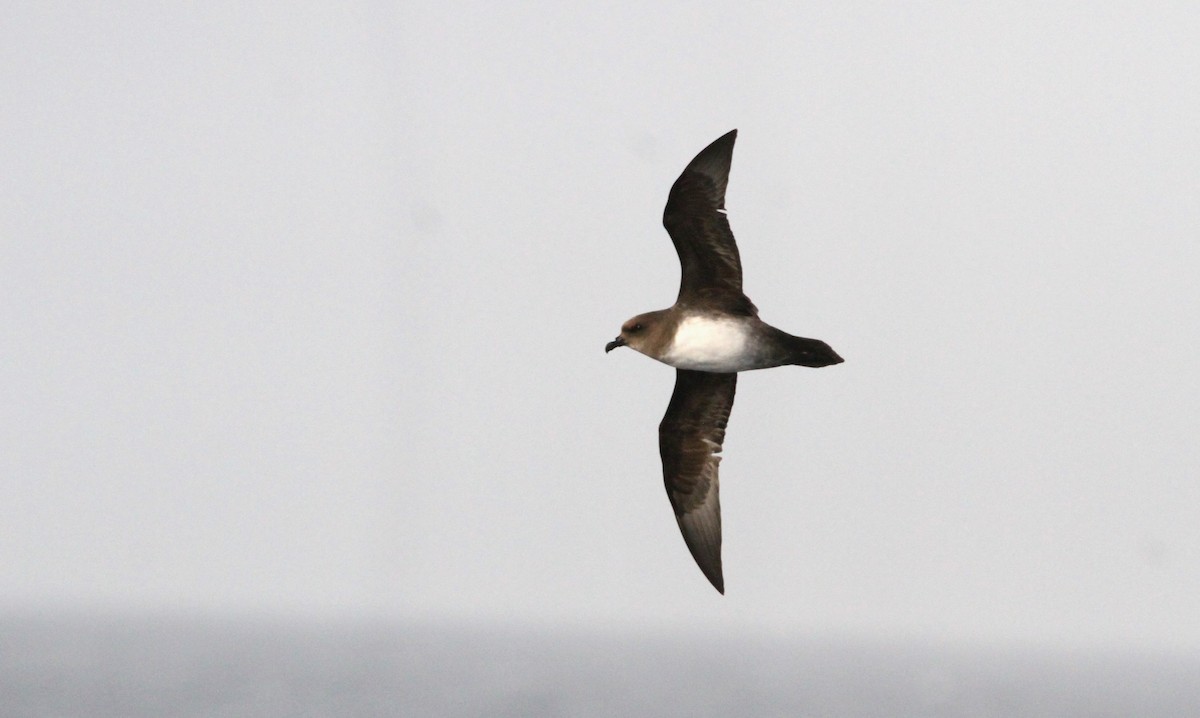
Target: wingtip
{"type": "Point", "coordinates": [719, 151]}
{"type": "Point", "coordinates": [712, 162]}
{"type": "Point", "coordinates": [702, 533]}
{"type": "Point", "coordinates": [712, 571]}
{"type": "Point", "coordinates": [726, 140]}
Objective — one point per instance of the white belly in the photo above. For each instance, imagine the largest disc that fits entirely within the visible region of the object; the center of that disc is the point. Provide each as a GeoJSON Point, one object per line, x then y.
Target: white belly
{"type": "Point", "coordinates": [707, 344]}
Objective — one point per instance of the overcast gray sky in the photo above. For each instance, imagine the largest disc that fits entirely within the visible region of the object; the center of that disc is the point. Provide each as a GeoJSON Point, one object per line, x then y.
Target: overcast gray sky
{"type": "Point", "coordinates": [305, 306]}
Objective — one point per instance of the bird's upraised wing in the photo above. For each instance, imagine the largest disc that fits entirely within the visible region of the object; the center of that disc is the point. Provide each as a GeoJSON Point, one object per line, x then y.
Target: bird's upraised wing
{"type": "Point", "coordinates": [695, 219]}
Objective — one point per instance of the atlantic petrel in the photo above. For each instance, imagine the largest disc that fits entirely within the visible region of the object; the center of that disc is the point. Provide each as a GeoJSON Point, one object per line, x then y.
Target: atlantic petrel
{"type": "Point", "coordinates": [711, 333]}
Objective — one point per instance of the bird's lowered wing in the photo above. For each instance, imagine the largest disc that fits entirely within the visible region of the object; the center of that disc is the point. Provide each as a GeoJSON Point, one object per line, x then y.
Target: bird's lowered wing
{"type": "Point", "coordinates": [689, 441]}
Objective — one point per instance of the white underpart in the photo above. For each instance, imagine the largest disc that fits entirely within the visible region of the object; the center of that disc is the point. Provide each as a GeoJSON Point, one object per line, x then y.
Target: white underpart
{"type": "Point", "coordinates": [710, 344]}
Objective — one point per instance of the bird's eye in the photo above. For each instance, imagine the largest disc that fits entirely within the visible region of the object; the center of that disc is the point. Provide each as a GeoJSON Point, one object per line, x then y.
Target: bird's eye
{"type": "Point", "coordinates": [636, 328]}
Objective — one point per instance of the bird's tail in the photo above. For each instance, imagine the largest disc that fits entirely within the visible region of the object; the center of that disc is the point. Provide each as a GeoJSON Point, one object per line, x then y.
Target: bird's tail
{"type": "Point", "coordinates": [810, 352]}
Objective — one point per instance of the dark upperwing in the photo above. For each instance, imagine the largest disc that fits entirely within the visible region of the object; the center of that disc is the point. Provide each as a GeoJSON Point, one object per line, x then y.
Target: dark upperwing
{"type": "Point", "coordinates": [689, 441]}
{"type": "Point", "coordinates": [695, 219]}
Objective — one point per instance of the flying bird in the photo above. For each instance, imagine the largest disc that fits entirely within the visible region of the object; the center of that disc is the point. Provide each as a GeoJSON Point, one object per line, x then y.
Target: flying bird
{"type": "Point", "coordinates": [711, 333]}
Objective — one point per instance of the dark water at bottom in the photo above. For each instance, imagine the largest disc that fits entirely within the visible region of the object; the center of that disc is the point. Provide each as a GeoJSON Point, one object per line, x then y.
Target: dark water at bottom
{"type": "Point", "coordinates": [136, 668]}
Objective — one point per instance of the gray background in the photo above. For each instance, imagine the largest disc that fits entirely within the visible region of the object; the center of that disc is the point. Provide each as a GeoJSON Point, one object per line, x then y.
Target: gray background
{"type": "Point", "coordinates": [304, 309]}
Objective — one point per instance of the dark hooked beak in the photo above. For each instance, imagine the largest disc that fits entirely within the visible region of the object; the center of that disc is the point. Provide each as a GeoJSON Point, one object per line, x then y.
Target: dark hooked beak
{"type": "Point", "coordinates": [618, 342]}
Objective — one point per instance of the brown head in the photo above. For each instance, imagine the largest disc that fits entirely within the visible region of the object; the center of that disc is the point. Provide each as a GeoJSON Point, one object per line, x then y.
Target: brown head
{"type": "Point", "coordinates": [643, 333]}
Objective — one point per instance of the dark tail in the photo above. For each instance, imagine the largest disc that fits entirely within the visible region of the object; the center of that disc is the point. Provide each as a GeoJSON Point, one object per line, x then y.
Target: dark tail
{"type": "Point", "coordinates": [810, 352]}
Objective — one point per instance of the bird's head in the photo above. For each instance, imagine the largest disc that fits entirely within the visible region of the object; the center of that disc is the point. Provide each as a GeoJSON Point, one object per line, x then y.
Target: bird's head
{"type": "Point", "coordinates": [638, 332]}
